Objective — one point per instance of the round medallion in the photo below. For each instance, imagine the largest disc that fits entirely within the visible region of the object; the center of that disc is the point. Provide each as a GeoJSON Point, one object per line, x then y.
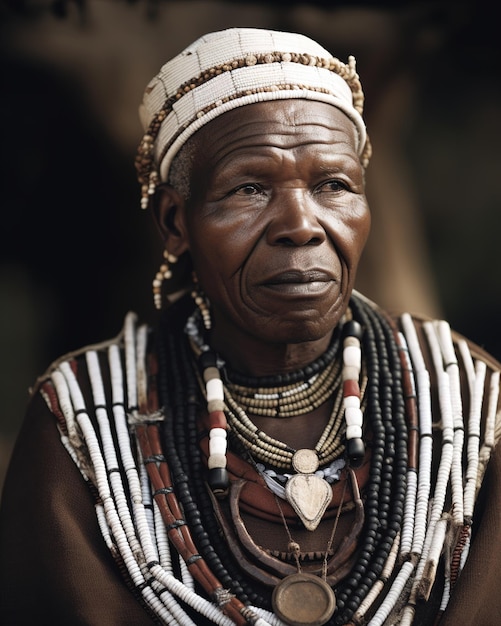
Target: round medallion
{"type": "Point", "coordinates": [305, 461]}
{"type": "Point", "coordinates": [304, 600]}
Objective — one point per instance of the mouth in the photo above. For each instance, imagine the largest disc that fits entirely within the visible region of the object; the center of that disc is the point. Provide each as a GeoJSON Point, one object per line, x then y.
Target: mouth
{"type": "Point", "coordinates": [300, 282]}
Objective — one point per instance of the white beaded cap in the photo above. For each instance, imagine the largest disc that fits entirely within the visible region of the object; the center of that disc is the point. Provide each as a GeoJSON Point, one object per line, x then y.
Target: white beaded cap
{"type": "Point", "coordinates": [220, 71]}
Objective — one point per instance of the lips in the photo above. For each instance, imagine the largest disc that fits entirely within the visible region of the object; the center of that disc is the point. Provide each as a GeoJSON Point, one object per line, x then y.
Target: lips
{"type": "Point", "coordinates": [298, 276]}
{"type": "Point", "coordinates": [299, 282]}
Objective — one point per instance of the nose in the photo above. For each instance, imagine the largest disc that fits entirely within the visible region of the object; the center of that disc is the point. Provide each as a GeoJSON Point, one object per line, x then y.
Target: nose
{"type": "Point", "coordinates": [294, 220]}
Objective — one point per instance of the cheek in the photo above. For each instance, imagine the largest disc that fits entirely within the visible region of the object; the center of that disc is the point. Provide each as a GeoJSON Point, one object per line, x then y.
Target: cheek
{"type": "Point", "coordinates": [350, 231]}
{"type": "Point", "coordinates": [216, 263]}
{"type": "Point", "coordinates": [220, 245]}
{"type": "Point", "coordinates": [362, 230]}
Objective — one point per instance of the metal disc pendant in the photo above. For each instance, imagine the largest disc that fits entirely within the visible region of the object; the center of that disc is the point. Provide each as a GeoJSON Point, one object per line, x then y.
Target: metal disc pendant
{"type": "Point", "coordinates": [304, 600]}
{"type": "Point", "coordinates": [305, 461]}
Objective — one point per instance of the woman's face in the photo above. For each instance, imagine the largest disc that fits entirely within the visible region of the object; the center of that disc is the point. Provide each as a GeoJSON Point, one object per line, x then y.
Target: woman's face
{"type": "Point", "coordinates": [277, 219]}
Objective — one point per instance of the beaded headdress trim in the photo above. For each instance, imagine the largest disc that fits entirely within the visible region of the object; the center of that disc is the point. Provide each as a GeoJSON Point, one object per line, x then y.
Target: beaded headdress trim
{"type": "Point", "coordinates": [230, 69]}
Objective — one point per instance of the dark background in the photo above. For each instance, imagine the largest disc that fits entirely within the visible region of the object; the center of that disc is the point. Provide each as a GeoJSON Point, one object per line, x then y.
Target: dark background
{"type": "Point", "coordinates": [76, 251]}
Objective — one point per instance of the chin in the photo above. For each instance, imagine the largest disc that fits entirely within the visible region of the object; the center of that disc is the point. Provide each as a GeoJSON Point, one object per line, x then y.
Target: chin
{"type": "Point", "coordinates": [296, 331]}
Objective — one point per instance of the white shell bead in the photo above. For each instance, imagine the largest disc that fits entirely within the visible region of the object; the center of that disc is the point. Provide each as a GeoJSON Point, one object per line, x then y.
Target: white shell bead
{"type": "Point", "coordinates": [353, 416]}
{"type": "Point", "coordinates": [352, 357]}
{"type": "Point", "coordinates": [353, 432]}
{"type": "Point", "coordinates": [351, 341]}
{"type": "Point", "coordinates": [217, 446]}
{"type": "Point", "coordinates": [210, 373]}
{"type": "Point", "coordinates": [217, 432]}
{"type": "Point", "coordinates": [216, 461]}
{"type": "Point", "coordinates": [350, 372]}
{"type": "Point", "coordinates": [214, 389]}
{"type": "Point", "coordinates": [215, 405]}
{"type": "Point", "coordinates": [351, 402]}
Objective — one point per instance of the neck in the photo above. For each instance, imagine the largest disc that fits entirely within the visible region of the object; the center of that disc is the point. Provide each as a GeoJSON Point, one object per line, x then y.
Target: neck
{"type": "Point", "coordinates": [254, 357]}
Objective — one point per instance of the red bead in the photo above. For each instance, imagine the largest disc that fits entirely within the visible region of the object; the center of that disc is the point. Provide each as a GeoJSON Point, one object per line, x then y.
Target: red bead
{"type": "Point", "coordinates": [351, 388]}
{"type": "Point", "coordinates": [217, 419]}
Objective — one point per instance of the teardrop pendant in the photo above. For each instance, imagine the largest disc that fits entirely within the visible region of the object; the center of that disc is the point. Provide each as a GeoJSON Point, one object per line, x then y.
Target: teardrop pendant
{"type": "Point", "coordinates": [309, 495]}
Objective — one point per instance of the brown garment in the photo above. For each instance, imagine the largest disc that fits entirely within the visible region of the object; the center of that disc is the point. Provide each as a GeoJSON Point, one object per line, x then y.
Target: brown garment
{"type": "Point", "coordinates": [56, 569]}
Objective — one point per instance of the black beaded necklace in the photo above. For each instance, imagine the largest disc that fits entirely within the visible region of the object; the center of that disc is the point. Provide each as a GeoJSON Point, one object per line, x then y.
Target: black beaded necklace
{"type": "Point", "coordinates": [384, 492]}
{"type": "Point", "coordinates": [384, 495]}
{"type": "Point", "coordinates": [289, 378]}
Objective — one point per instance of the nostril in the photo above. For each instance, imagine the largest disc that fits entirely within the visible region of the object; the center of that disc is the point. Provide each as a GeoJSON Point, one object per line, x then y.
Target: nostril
{"type": "Point", "coordinates": [285, 241]}
{"type": "Point", "coordinates": [288, 241]}
{"type": "Point", "coordinates": [314, 241]}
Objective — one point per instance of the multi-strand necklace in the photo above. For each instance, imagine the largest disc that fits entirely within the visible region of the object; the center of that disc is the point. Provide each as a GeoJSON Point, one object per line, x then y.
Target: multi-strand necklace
{"type": "Point", "coordinates": [162, 525]}
{"type": "Point", "coordinates": [307, 390]}
{"type": "Point", "coordinates": [306, 490]}
{"type": "Point", "coordinates": [384, 397]}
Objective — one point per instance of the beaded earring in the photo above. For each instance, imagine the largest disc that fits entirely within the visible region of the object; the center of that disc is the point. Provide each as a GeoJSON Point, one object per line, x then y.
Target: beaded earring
{"type": "Point", "coordinates": [164, 273]}
{"type": "Point", "coordinates": [352, 364]}
{"type": "Point", "coordinates": [202, 303]}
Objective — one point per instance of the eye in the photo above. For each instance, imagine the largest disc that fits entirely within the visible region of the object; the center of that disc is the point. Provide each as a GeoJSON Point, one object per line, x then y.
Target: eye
{"type": "Point", "coordinates": [332, 186]}
{"type": "Point", "coordinates": [249, 189]}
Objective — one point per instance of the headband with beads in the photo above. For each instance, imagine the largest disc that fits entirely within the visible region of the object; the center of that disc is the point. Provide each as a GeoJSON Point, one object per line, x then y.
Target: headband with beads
{"type": "Point", "coordinates": [232, 68]}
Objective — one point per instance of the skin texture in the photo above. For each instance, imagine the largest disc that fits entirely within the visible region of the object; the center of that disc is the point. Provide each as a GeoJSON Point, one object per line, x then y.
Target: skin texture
{"type": "Point", "coordinates": [275, 224]}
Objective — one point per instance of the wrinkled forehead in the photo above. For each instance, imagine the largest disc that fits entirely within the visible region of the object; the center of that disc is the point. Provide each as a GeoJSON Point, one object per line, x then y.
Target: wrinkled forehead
{"type": "Point", "coordinates": [266, 128]}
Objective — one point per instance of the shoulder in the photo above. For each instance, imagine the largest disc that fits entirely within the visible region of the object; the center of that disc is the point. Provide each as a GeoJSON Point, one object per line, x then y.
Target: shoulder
{"type": "Point", "coordinates": [81, 354]}
{"type": "Point", "coordinates": [428, 330]}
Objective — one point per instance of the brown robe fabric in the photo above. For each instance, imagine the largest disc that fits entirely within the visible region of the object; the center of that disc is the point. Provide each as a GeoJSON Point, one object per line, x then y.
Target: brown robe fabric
{"type": "Point", "coordinates": [56, 569]}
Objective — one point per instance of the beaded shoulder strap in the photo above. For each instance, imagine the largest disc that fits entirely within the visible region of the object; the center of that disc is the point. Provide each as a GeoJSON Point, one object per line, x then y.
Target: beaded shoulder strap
{"type": "Point", "coordinates": [149, 537]}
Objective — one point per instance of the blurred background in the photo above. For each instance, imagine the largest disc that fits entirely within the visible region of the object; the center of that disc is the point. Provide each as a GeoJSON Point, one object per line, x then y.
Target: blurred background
{"type": "Point", "coordinates": [76, 252]}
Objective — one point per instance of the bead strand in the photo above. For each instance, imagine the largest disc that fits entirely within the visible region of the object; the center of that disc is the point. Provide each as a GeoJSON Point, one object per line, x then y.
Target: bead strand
{"type": "Point", "coordinates": [290, 378]}
{"type": "Point", "coordinates": [290, 400]}
{"type": "Point", "coordinates": [206, 534]}
{"type": "Point", "coordinates": [163, 581]}
{"type": "Point", "coordinates": [426, 566]}
{"type": "Point", "coordinates": [352, 365]}
{"type": "Point", "coordinates": [423, 386]}
{"type": "Point", "coordinates": [413, 449]}
{"type": "Point", "coordinates": [214, 393]}
{"type": "Point", "coordinates": [451, 366]}
{"type": "Point", "coordinates": [180, 533]}
{"type": "Point", "coordinates": [225, 567]}
{"type": "Point", "coordinates": [387, 458]}
{"type": "Point", "coordinates": [408, 562]}
{"type": "Point", "coordinates": [112, 517]}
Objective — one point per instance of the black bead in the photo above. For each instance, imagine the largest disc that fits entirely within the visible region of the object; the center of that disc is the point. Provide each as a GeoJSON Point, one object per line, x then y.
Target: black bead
{"type": "Point", "coordinates": [352, 329]}
{"type": "Point", "coordinates": [356, 451]}
{"type": "Point", "coordinates": [207, 359]}
{"type": "Point", "coordinates": [218, 479]}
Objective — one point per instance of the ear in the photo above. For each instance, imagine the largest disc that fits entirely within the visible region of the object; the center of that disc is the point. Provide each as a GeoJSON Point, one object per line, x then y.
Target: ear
{"type": "Point", "coordinates": [169, 212]}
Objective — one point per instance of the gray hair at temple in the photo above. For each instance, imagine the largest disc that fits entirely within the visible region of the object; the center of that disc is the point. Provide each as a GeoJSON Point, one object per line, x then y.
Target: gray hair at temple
{"type": "Point", "coordinates": [229, 69]}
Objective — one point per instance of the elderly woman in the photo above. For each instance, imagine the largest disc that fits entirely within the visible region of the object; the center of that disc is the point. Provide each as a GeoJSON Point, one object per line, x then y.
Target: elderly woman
{"type": "Point", "coordinates": [277, 449]}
